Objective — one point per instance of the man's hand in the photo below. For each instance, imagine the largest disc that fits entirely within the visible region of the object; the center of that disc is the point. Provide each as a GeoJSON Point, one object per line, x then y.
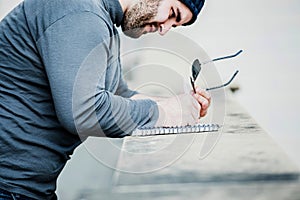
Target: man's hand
{"type": "Point", "coordinates": [183, 109]}
{"type": "Point", "coordinates": [204, 99]}
{"type": "Point", "coordinates": [178, 110]}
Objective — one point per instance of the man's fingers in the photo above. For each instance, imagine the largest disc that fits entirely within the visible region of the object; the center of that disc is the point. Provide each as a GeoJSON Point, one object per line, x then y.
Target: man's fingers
{"type": "Point", "coordinates": [203, 93]}
{"type": "Point", "coordinates": [204, 99]}
{"type": "Point", "coordinates": [203, 113]}
{"type": "Point", "coordinates": [204, 102]}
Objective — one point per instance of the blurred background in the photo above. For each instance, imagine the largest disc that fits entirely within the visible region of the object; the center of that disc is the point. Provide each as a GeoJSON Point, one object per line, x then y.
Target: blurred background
{"type": "Point", "coordinates": [269, 33]}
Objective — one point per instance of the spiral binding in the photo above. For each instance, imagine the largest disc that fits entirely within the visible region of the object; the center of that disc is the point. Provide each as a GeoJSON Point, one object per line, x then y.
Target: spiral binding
{"type": "Point", "coordinates": [198, 128]}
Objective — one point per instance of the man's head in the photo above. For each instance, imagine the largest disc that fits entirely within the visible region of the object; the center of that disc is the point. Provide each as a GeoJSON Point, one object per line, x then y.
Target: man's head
{"type": "Point", "coordinates": [144, 16]}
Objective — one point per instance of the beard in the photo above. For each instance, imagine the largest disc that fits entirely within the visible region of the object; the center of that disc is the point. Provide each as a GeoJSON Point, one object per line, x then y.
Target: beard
{"type": "Point", "coordinates": [138, 16]}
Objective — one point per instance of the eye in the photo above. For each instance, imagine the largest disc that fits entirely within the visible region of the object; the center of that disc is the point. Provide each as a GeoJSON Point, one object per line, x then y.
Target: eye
{"type": "Point", "coordinates": [178, 17]}
{"type": "Point", "coordinates": [173, 14]}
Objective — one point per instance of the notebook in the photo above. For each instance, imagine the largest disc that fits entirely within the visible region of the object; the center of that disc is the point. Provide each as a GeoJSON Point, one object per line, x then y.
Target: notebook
{"type": "Point", "coordinates": [198, 128]}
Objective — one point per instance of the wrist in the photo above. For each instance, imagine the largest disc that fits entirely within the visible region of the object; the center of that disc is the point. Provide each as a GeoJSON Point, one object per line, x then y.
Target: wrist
{"type": "Point", "coordinates": [161, 120]}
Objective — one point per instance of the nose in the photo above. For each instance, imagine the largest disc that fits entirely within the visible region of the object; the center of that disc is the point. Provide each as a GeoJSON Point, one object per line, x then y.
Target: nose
{"type": "Point", "coordinates": [166, 26]}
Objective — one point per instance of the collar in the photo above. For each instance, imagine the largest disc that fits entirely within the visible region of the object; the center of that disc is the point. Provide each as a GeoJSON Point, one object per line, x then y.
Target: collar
{"type": "Point", "coordinates": [115, 11]}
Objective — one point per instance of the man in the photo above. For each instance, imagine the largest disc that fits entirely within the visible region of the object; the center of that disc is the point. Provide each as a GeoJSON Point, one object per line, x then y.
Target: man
{"type": "Point", "coordinates": [60, 82]}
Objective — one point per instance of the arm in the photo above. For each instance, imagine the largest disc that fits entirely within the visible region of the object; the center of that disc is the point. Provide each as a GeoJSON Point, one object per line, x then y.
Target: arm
{"type": "Point", "coordinates": [123, 89]}
{"type": "Point", "coordinates": [76, 54]}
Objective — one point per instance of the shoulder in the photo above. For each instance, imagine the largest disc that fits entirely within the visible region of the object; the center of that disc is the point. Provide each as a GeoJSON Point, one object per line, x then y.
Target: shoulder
{"type": "Point", "coordinates": [42, 14]}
